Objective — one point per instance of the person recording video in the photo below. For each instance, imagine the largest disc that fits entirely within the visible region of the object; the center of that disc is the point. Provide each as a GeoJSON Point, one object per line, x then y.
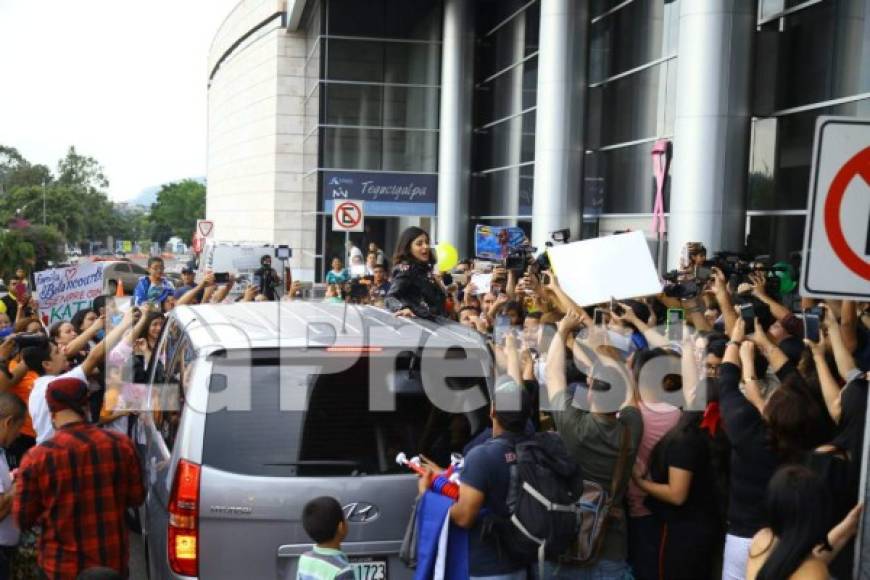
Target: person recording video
{"type": "Point", "coordinates": [267, 278]}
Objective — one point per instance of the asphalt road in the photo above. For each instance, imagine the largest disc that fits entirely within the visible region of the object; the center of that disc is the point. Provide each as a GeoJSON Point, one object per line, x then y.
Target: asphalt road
{"type": "Point", "coordinates": [138, 567]}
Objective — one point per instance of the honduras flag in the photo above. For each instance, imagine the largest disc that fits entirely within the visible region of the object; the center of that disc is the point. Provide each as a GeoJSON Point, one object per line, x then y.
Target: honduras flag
{"type": "Point", "coordinates": [442, 547]}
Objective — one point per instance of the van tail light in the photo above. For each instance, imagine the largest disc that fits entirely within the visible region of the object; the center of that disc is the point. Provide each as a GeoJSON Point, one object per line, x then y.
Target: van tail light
{"type": "Point", "coordinates": [183, 540]}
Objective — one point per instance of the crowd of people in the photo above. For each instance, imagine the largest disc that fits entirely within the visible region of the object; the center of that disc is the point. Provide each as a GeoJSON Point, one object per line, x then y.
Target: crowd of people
{"type": "Point", "coordinates": [742, 461]}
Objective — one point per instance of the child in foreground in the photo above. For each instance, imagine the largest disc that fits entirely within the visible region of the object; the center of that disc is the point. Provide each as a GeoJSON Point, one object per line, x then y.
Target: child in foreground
{"type": "Point", "coordinates": [324, 522]}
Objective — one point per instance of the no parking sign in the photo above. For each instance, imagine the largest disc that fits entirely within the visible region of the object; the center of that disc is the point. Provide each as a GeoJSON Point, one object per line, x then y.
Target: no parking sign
{"type": "Point", "coordinates": [347, 216]}
{"type": "Point", "coordinates": [836, 256]}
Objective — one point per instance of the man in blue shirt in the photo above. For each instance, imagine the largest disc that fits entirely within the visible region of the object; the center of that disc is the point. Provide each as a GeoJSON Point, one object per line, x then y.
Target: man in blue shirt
{"type": "Point", "coordinates": [484, 483]}
{"type": "Point", "coordinates": [380, 284]}
{"type": "Point", "coordinates": [153, 288]}
{"type": "Point", "coordinates": [188, 284]}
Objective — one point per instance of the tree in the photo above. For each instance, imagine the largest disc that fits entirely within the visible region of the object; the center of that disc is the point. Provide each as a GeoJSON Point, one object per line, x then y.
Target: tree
{"type": "Point", "coordinates": [16, 171]}
{"type": "Point", "coordinates": [48, 245]}
{"type": "Point", "coordinates": [15, 252]}
{"type": "Point", "coordinates": [10, 161]}
{"type": "Point", "coordinates": [176, 210]}
{"type": "Point", "coordinates": [81, 171]}
{"type": "Point", "coordinates": [131, 223]}
{"type": "Point", "coordinates": [64, 209]}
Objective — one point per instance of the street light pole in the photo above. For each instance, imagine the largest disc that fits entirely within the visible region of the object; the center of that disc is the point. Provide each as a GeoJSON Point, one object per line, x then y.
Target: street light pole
{"type": "Point", "coordinates": [43, 202]}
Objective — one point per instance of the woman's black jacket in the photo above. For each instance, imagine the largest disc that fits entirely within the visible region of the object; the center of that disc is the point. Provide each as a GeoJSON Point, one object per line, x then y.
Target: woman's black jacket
{"type": "Point", "coordinates": [414, 287]}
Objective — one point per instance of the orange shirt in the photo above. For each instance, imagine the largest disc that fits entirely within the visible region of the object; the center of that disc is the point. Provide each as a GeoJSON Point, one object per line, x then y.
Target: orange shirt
{"type": "Point", "coordinates": [22, 391]}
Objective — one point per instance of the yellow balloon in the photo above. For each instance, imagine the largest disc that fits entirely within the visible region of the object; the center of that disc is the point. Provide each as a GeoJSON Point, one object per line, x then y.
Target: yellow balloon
{"type": "Point", "coordinates": [447, 256]}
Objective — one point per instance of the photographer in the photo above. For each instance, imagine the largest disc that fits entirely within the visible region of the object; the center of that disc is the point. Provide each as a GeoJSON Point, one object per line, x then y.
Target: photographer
{"type": "Point", "coordinates": [415, 290]}
{"type": "Point", "coordinates": [267, 278]}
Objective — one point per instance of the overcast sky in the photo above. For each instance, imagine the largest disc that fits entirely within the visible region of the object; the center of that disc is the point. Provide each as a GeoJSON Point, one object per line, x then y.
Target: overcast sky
{"type": "Point", "coordinates": [123, 81]}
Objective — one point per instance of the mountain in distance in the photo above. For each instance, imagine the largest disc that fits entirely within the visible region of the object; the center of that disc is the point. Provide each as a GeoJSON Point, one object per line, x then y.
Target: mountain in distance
{"type": "Point", "coordinates": [149, 195]}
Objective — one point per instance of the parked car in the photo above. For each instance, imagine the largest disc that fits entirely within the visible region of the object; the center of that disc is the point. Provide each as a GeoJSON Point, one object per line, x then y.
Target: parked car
{"type": "Point", "coordinates": [287, 393]}
{"type": "Point", "coordinates": [128, 272]}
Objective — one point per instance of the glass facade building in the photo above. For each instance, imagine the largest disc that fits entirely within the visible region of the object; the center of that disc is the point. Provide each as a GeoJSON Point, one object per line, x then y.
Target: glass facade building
{"type": "Point", "coordinates": [736, 87]}
{"type": "Point", "coordinates": [373, 75]}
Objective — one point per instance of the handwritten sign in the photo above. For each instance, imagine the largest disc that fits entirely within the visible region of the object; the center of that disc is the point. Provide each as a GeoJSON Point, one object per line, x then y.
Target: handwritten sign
{"type": "Point", "coordinates": [61, 292]}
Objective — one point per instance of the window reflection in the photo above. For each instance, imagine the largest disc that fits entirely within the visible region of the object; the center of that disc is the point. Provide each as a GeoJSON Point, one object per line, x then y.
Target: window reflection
{"type": "Point", "coordinates": [820, 53]}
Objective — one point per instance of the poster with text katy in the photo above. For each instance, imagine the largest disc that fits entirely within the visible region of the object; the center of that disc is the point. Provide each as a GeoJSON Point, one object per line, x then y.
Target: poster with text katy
{"type": "Point", "coordinates": [61, 292]}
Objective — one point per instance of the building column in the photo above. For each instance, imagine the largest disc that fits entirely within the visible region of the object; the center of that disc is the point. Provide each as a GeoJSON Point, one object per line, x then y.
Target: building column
{"type": "Point", "coordinates": [712, 125]}
{"type": "Point", "coordinates": [559, 124]}
{"type": "Point", "coordinates": [454, 142]}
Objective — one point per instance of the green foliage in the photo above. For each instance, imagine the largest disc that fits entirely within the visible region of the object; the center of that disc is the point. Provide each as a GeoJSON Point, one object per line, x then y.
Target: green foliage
{"type": "Point", "coordinates": [75, 203]}
{"type": "Point", "coordinates": [15, 252]}
{"type": "Point", "coordinates": [47, 243]}
{"type": "Point", "coordinates": [16, 171]}
{"type": "Point", "coordinates": [81, 172]}
{"type": "Point", "coordinates": [176, 210]}
{"type": "Point", "coordinates": [132, 224]}
{"type": "Point", "coordinates": [77, 209]}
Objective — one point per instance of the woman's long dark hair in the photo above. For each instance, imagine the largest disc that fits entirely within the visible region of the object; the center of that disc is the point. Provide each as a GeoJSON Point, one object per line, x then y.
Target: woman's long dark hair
{"type": "Point", "coordinates": [54, 329]}
{"type": "Point", "coordinates": [152, 316]}
{"type": "Point", "coordinates": [799, 513]}
{"type": "Point", "coordinates": [79, 318]}
{"type": "Point", "coordinates": [403, 253]}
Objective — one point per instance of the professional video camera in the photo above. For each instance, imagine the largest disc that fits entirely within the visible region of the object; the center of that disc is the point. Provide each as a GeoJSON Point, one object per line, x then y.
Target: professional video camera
{"type": "Point", "coordinates": [735, 266]}
{"type": "Point", "coordinates": [519, 258]}
{"type": "Point", "coordinates": [542, 262]}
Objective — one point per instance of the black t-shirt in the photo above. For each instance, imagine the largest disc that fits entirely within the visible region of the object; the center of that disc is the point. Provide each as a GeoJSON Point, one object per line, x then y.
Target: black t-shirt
{"type": "Point", "coordinates": [753, 459]}
{"type": "Point", "coordinates": [686, 450]}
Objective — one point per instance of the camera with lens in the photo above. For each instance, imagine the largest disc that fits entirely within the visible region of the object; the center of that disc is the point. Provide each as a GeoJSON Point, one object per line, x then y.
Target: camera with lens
{"type": "Point", "coordinates": [519, 258]}
{"type": "Point", "coordinates": [542, 262]}
{"type": "Point", "coordinates": [680, 287]}
{"type": "Point", "coordinates": [737, 268]}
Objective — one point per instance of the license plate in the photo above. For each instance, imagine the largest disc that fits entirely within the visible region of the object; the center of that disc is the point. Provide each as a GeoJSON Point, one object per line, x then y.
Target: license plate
{"type": "Point", "coordinates": [369, 568]}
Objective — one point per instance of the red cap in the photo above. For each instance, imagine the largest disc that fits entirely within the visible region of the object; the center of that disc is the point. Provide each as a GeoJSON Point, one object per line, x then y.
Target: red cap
{"type": "Point", "coordinates": [67, 393]}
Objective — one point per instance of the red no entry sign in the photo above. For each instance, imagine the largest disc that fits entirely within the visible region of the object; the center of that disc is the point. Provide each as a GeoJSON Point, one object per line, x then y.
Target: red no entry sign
{"type": "Point", "coordinates": [347, 216]}
{"type": "Point", "coordinates": [857, 167]}
{"type": "Point", "coordinates": [836, 257]}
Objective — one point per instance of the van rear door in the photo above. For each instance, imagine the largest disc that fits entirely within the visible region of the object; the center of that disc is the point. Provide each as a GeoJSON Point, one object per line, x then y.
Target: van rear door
{"type": "Point", "coordinates": [282, 432]}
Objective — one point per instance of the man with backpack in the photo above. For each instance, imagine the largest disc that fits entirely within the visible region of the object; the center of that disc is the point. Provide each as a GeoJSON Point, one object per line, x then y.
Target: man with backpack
{"type": "Point", "coordinates": [603, 439]}
{"type": "Point", "coordinates": [483, 492]}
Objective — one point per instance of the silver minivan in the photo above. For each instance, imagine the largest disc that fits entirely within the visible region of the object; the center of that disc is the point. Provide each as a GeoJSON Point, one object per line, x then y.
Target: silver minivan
{"type": "Point", "coordinates": [256, 408]}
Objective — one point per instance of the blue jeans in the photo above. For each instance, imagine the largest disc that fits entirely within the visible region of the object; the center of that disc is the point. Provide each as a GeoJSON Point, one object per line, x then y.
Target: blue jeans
{"type": "Point", "coordinates": [601, 570]}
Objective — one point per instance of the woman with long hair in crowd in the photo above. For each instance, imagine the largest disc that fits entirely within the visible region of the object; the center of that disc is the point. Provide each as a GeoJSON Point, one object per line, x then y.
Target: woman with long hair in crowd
{"type": "Point", "coordinates": [797, 542]}
{"type": "Point", "coordinates": [415, 290]}
{"type": "Point", "coordinates": [145, 346]}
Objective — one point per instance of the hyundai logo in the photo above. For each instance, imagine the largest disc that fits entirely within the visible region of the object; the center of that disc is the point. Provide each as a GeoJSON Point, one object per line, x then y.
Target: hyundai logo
{"type": "Point", "coordinates": [361, 512]}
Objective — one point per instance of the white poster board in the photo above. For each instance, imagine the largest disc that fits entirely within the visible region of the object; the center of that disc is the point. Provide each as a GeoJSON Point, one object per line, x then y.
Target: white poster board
{"type": "Point", "coordinates": [235, 258]}
{"type": "Point", "coordinates": [594, 271]}
{"type": "Point", "coordinates": [481, 282]}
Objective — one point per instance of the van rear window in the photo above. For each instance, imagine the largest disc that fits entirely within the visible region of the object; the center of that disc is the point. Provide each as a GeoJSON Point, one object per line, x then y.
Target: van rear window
{"type": "Point", "coordinates": [336, 434]}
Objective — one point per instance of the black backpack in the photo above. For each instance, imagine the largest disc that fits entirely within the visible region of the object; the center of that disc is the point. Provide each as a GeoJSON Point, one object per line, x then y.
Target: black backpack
{"type": "Point", "coordinates": [545, 486]}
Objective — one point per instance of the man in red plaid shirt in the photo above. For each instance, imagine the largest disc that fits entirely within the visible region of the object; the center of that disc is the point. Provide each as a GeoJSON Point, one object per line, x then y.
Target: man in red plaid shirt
{"type": "Point", "coordinates": [77, 486]}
